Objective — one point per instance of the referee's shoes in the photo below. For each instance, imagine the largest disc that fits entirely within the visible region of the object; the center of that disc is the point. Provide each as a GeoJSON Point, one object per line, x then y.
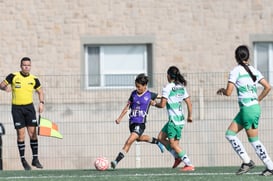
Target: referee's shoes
{"type": "Point", "coordinates": [36, 163]}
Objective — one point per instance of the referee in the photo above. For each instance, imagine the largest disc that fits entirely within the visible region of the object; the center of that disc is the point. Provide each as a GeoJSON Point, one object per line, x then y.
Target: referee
{"type": "Point", "coordinates": [23, 84]}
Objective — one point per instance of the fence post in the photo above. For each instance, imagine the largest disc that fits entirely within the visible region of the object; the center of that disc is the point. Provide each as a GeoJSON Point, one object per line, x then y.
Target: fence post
{"type": "Point", "coordinates": [201, 103]}
{"type": "Point", "coordinates": [138, 154]}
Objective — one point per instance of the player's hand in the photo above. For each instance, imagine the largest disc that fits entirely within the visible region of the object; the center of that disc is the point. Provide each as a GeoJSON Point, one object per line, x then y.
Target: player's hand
{"type": "Point", "coordinates": [8, 88]}
{"type": "Point", "coordinates": [153, 103]}
{"type": "Point", "coordinates": [221, 91]}
{"type": "Point", "coordinates": [189, 119]}
{"type": "Point", "coordinates": [41, 108]}
{"type": "Point", "coordinates": [117, 121]}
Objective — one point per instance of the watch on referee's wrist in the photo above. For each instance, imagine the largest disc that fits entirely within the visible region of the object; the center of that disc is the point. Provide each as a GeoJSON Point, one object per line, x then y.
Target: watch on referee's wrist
{"type": "Point", "coordinates": [42, 102]}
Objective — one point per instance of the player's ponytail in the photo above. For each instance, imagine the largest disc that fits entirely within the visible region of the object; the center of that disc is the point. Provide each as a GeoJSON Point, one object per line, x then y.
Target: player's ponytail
{"type": "Point", "coordinates": [175, 75]}
{"type": "Point", "coordinates": [241, 55]}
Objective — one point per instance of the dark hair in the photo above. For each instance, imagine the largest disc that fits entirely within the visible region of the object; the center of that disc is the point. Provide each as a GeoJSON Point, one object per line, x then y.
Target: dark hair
{"type": "Point", "coordinates": [242, 54]}
{"type": "Point", "coordinates": [175, 75]}
{"type": "Point", "coordinates": [25, 59]}
{"type": "Point", "coordinates": [142, 79]}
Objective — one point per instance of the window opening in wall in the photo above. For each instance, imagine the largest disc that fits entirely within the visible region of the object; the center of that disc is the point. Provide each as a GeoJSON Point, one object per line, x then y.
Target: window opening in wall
{"type": "Point", "coordinates": [114, 65]}
{"type": "Point", "coordinates": [263, 59]}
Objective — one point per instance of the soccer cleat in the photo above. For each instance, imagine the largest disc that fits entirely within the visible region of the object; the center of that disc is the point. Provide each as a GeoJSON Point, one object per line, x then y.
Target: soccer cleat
{"type": "Point", "coordinates": [160, 146]}
{"type": "Point", "coordinates": [188, 168]}
{"type": "Point", "coordinates": [113, 164]}
{"type": "Point", "coordinates": [25, 164]}
{"type": "Point", "coordinates": [245, 167]}
{"type": "Point", "coordinates": [267, 172]}
{"type": "Point", "coordinates": [36, 163]}
{"type": "Point", "coordinates": [177, 161]}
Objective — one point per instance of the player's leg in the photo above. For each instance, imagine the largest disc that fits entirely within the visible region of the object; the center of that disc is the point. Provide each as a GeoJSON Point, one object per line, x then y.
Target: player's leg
{"type": "Point", "coordinates": [162, 137]}
{"type": "Point", "coordinates": [31, 123]}
{"type": "Point", "coordinates": [19, 125]}
{"type": "Point", "coordinates": [252, 115]}
{"type": "Point", "coordinates": [152, 140]}
{"type": "Point", "coordinates": [182, 155]}
{"type": "Point", "coordinates": [231, 136]}
{"type": "Point", "coordinates": [177, 159]}
{"type": "Point", "coordinates": [131, 139]}
{"type": "Point", "coordinates": [34, 146]}
{"type": "Point", "coordinates": [21, 147]}
{"type": "Point", "coordinates": [260, 151]}
{"type": "Point", "coordinates": [174, 135]}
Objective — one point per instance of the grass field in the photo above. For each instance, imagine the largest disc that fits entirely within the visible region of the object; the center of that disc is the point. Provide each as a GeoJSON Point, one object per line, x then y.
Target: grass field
{"type": "Point", "coordinates": [153, 174]}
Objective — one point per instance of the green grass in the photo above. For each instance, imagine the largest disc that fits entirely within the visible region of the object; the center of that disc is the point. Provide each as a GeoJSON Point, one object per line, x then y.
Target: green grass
{"type": "Point", "coordinates": [143, 174]}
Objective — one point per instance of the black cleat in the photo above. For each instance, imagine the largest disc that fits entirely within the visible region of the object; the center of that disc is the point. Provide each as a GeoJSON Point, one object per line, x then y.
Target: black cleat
{"type": "Point", "coordinates": [36, 163]}
{"type": "Point", "coordinates": [245, 167]}
{"type": "Point", "coordinates": [267, 172]}
{"type": "Point", "coordinates": [25, 164]}
{"type": "Point", "coordinates": [113, 164]}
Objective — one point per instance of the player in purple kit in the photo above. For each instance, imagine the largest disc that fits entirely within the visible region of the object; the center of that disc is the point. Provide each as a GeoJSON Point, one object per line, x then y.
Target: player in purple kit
{"type": "Point", "coordinates": [139, 103]}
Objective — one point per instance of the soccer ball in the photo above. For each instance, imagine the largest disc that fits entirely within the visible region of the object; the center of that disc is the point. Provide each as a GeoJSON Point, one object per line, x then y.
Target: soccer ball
{"type": "Point", "coordinates": [101, 163]}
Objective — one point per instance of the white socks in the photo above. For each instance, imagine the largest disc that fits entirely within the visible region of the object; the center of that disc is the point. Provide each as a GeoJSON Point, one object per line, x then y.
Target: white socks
{"type": "Point", "coordinates": [238, 148]}
{"type": "Point", "coordinates": [262, 154]}
{"type": "Point", "coordinates": [186, 160]}
{"type": "Point", "coordinates": [258, 147]}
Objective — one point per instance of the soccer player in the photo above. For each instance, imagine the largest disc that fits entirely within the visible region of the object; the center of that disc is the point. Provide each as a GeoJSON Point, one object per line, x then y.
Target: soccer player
{"type": "Point", "coordinates": [22, 84]}
{"type": "Point", "coordinates": [138, 103]}
{"type": "Point", "coordinates": [172, 96]}
{"type": "Point", "coordinates": [245, 78]}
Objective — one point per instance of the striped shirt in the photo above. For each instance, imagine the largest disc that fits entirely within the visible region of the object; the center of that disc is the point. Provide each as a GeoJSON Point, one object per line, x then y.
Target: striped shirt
{"type": "Point", "coordinates": [175, 94]}
{"type": "Point", "coordinates": [246, 88]}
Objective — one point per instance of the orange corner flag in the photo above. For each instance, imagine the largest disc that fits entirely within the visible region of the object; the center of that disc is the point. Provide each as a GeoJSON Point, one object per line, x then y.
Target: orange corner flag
{"type": "Point", "coordinates": [48, 128]}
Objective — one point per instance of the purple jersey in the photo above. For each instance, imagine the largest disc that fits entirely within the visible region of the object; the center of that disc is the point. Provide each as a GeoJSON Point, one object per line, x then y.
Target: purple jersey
{"type": "Point", "coordinates": [139, 105]}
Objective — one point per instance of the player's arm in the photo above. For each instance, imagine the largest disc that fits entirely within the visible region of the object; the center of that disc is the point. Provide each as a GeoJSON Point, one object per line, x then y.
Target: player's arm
{"type": "Point", "coordinates": [3, 85]}
{"type": "Point", "coordinates": [266, 89]}
{"type": "Point", "coordinates": [162, 103]}
{"type": "Point", "coordinates": [158, 96]}
{"type": "Point", "coordinates": [154, 96]}
{"type": "Point", "coordinates": [189, 108]}
{"type": "Point", "coordinates": [226, 91]}
{"type": "Point", "coordinates": [41, 99]}
{"type": "Point", "coordinates": [123, 112]}
{"type": "Point", "coordinates": [40, 93]}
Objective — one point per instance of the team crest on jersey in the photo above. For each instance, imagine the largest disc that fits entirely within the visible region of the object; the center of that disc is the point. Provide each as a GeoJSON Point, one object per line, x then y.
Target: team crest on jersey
{"type": "Point", "coordinates": [146, 98]}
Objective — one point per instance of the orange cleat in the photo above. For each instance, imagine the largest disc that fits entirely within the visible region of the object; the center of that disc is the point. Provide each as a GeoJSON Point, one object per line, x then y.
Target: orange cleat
{"type": "Point", "coordinates": [187, 168]}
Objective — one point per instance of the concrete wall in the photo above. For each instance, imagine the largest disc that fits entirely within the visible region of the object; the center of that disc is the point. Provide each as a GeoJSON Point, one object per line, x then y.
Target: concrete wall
{"type": "Point", "coordinates": [187, 33]}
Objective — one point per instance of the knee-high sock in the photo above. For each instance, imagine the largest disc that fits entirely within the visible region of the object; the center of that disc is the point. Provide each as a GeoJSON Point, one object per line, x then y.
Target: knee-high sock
{"type": "Point", "coordinates": [237, 146]}
{"type": "Point", "coordinates": [173, 153]}
{"type": "Point", "coordinates": [34, 148]}
{"type": "Point", "coordinates": [120, 156]}
{"type": "Point", "coordinates": [184, 158]}
{"type": "Point", "coordinates": [261, 152]}
{"type": "Point", "coordinates": [21, 147]}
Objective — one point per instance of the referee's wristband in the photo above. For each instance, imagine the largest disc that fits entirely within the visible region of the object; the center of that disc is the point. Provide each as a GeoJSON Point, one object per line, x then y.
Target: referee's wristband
{"type": "Point", "coordinates": [42, 102]}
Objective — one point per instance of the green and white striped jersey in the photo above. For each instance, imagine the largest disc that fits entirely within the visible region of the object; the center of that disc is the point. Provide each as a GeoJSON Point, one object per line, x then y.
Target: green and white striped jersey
{"type": "Point", "coordinates": [246, 88]}
{"type": "Point", "coordinates": [175, 94]}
